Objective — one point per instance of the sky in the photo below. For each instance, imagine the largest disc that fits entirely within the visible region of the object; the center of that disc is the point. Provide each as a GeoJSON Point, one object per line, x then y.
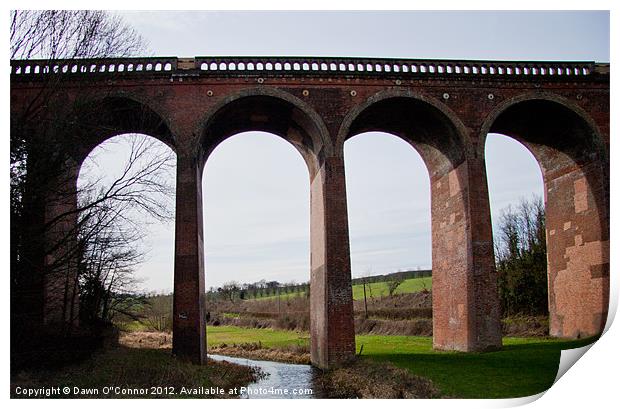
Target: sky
{"type": "Point", "coordinates": [257, 222]}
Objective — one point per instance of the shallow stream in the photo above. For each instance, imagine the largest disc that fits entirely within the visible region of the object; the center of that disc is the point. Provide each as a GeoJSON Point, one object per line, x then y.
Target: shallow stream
{"type": "Point", "coordinates": [283, 381]}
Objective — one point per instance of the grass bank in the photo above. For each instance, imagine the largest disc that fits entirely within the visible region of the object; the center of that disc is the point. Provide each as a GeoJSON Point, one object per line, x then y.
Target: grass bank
{"type": "Point", "coordinates": [146, 372]}
{"type": "Point", "coordinates": [268, 337]}
{"type": "Point", "coordinates": [525, 366]}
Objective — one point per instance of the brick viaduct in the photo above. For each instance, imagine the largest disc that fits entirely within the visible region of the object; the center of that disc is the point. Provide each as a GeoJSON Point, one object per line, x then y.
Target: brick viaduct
{"type": "Point", "coordinates": [444, 109]}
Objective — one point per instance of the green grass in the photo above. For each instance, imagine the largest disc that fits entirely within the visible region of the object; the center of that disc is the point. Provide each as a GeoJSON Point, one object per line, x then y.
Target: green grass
{"type": "Point", "coordinates": [269, 337]}
{"type": "Point", "coordinates": [380, 289]}
{"type": "Point", "coordinates": [525, 366]}
{"type": "Point", "coordinates": [131, 326]}
{"type": "Point", "coordinates": [411, 285]}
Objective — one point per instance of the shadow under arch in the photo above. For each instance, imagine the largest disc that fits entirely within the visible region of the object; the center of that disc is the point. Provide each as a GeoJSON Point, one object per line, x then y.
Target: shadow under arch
{"type": "Point", "coordinates": [559, 134]}
{"type": "Point", "coordinates": [267, 110]}
{"type": "Point", "coordinates": [98, 120]}
{"type": "Point", "coordinates": [409, 115]}
{"type": "Point", "coordinates": [552, 99]}
{"type": "Point", "coordinates": [465, 300]}
{"type": "Point", "coordinates": [575, 166]}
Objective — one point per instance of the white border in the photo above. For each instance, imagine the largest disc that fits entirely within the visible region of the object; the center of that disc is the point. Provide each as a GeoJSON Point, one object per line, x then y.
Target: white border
{"type": "Point", "coordinates": [590, 382]}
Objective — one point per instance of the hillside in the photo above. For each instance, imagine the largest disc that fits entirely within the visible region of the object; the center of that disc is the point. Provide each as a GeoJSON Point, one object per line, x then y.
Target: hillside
{"type": "Point", "coordinates": [373, 288]}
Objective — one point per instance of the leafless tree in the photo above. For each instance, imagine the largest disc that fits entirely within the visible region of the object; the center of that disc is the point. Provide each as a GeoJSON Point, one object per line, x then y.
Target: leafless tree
{"type": "Point", "coordinates": [158, 312]}
{"type": "Point", "coordinates": [35, 169]}
{"type": "Point", "coordinates": [111, 227]}
{"type": "Point", "coordinates": [64, 34]}
{"type": "Point", "coordinates": [69, 34]}
{"type": "Point", "coordinates": [229, 289]}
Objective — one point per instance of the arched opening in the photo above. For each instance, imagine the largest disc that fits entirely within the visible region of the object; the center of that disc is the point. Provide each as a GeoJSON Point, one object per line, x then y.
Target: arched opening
{"type": "Point", "coordinates": [125, 193]}
{"type": "Point", "coordinates": [87, 218]}
{"type": "Point", "coordinates": [516, 198]}
{"type": "Point", "coordinates": [388, 197]}
{"type": "Point", "coordinates": [288, 117]}
{"type": "Point", "coordinates": [575, 167]}
{"type": "Point", "coordinates": [459, 323]}
{"type": "Point", "coordinates": [256, 242]}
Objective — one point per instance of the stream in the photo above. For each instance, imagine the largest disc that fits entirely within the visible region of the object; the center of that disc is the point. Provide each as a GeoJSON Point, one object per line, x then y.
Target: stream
{"type": "Point", "coordinates": [283, 381]}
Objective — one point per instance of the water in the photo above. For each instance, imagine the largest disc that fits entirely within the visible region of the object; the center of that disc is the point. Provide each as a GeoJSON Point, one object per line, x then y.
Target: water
{"type": "Point", "coordinates": [284, 381]}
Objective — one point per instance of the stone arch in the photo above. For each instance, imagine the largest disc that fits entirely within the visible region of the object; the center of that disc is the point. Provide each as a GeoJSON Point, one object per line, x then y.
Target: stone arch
{"type": "Point", "coordinates": [572, 156]}
{"type": "Point", "coordinates": [465, 303]}
{"type": "Point", "coordinates": [432, 105]}
{"type": "Point", "coordinates": [88, 123]}
{"type": "Point", "coordinates": [100, 119]}
{"type": "Point", "coordinates": [269, 110]}
{"type": "Point", "coordinates": [280, 113]}
{"type": "Point", "coordinates": [575, 108]}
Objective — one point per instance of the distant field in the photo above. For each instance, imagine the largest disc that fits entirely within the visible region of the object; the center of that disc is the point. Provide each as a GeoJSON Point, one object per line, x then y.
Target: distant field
{"type": "Point", "coordinates": [283, 296]}
{"type": "Point", "coordinates": [379, 289]}
{"type": "Point", "coordinates": [525, 366]}
{"type": "Point", "coordinates": [410, 285]}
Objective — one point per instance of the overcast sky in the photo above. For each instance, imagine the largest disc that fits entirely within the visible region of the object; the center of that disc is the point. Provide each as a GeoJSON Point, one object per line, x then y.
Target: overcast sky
{"type": "Point", "coordinates": [256, 189]}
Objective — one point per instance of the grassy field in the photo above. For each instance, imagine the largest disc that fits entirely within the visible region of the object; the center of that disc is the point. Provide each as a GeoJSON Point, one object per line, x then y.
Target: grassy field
{"type": "Point", "coordinates": [268, 337]}
{"type": "Point", "coordinates": [410, 285]}
{"type": "Point", "coordinates": [379, 289]}
{"type": "Point", "coordinates": [525, 366]}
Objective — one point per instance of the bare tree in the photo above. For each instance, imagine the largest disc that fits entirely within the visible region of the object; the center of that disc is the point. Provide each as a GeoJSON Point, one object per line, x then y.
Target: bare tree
{"type": "Point", "coordinates": [158, 313]}
{"type": "Point", "coordinates": [229, 289]}
{"type": "Point", "coordinates": [111, 227]}
{"type": "Point", "coordinates": [364, 280]}
{"type": "Point", "coordinates": [61, 34]}
{"type": "Point", "coordinates": [36, 133]}
{"type": "Point", "coordinates": [69, 34]}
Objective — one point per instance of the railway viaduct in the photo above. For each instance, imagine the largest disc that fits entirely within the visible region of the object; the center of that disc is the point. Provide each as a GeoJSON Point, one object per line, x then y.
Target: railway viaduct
{"type": "Point", "coordinates": [443, 108]}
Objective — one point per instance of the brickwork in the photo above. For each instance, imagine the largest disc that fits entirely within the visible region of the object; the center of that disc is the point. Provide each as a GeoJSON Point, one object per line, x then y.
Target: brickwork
{"type": "Point", "coordinates": [578, 258]}
{"type": "Point", "coordinates": [189, 335]}
{"type": "Point", "coordinates": [444, 109]}
{"type": "Point", "coordinates": [331, 298]}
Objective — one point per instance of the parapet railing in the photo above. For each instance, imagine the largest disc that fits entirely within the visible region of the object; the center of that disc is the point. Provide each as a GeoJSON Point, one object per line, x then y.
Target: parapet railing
{"type": "Point", "coordinates": [286, 66]}
{"type": "Point", "coordinates": [94, 66]}
{"type": "Point", "coordinates": [373, 66]}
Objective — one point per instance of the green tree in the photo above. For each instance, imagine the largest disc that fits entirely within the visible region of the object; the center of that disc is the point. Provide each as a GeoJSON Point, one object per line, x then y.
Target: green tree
{"type": "Point", "coordinates": [393, 284]}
